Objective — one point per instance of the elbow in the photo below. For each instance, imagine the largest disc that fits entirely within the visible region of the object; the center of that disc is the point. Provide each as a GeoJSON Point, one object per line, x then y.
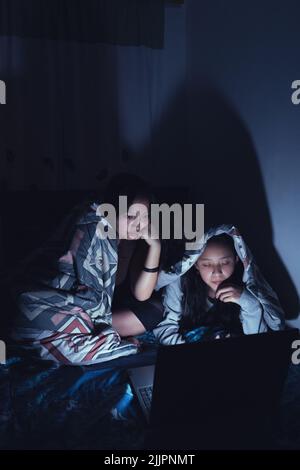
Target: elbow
{"type": "Point", "coordinates": [141, 294]}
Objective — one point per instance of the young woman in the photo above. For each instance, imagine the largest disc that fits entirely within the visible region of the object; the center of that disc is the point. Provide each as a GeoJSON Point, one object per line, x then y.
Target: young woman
{"type": "Point", "coordinates": [219, 292]}
{"type": "Point", "coordinates": [68, 308]}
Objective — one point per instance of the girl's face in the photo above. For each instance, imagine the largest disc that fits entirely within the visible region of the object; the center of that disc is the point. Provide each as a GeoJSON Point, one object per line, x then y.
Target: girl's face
{"type": "Point", "coordinates": [132, 223]}
{"type": "Point", "coordinates": [215, 265]}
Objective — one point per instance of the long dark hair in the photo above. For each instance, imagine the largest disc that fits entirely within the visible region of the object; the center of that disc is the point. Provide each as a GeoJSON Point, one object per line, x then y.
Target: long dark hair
{"type": "Point", "coordinates": [221, 315]}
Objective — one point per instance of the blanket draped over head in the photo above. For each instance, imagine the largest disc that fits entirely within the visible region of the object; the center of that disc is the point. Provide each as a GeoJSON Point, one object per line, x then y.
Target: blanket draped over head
{"type": "Point", "coordinates": [65, 291]}
{"type": "Point", "coordinates": [272, 313]}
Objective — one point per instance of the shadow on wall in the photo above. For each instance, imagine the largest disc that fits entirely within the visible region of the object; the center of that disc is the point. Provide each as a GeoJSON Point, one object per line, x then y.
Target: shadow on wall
{"type": "Point", "coordinates": [212, 153]}
{"type": "Point", "coordinates": [230, 184]}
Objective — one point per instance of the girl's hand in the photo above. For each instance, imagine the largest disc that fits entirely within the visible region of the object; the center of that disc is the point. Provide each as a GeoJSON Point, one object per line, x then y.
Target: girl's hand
{"type": "Point", "coordinates": [145, 235]}
{"type": "Point", "coordinates": [229, 293]}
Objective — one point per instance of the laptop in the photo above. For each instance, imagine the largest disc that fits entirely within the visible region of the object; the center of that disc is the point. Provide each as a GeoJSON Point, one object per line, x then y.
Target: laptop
{"type": "Point", "coordinates": [221, 394]}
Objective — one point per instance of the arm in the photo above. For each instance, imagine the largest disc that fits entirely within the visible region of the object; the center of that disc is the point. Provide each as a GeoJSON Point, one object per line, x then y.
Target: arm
{"type": "Point", "coordinates": [273, 314]}
{"type": "Point", "coordinates": [90, 266]}
{"type": "Point", "coordinates": [251, 314]}
{"type": "Point", "coordinates": [167, 332]}
{"type": "Point", "coordinates": [143, 282]}
{"type": "Point", "coordinates": [259, 310]}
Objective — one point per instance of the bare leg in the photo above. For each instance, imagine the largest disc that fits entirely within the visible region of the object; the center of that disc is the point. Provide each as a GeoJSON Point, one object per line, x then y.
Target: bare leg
{"type": "Point", "coordinates": [126, 323]}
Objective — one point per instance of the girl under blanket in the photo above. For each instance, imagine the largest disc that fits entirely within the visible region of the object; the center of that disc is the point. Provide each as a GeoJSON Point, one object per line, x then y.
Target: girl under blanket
{"type": "Point", "coordinates": [217, 292]}
{"type": "Point", "coordinates": [82, 297]}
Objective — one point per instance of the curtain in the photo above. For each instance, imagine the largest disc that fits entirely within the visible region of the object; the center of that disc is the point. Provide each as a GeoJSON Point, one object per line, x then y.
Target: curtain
{"type": "Point", "coordinates": [76, 111]}
{"type": "Point", "coordinates": [123, 22]}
